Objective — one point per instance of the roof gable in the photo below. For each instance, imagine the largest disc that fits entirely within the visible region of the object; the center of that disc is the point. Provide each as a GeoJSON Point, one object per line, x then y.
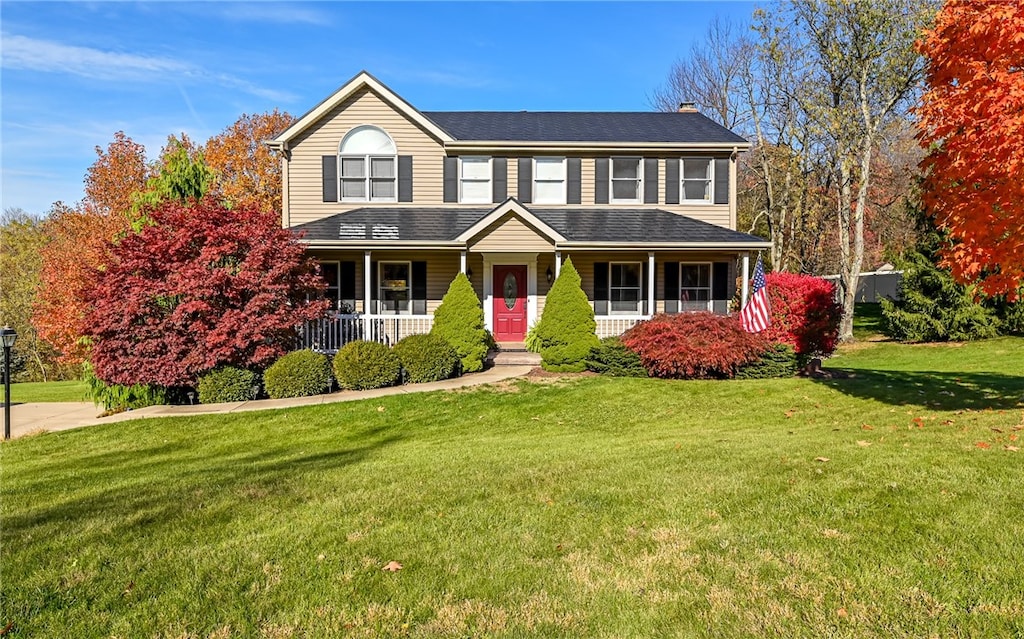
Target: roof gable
{"type": "Point", "coordinates": [360, 81]}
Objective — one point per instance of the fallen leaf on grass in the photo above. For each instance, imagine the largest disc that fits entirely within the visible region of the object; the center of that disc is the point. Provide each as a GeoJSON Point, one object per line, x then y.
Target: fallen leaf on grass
{"type": "Point", "coordinates": [983, 445]}
{"type": "Point", "coordinates": [822, 459]}
{"type": "Point", "coordinates": [842, 613]}
{"type": "Point", "coordinates": [867, 427]}
{"type": "Point", "coordinates": [789, 413]}
{"type": "Point", "coordinates": [381, 409]}
{"type": "Point", "coordinates": [128, 590]}
{"type": "Point", "coordinates": [1012, 449]}
{"type": "Point", "coordinates": [861, 442]}
{"type": "Point", "coordinates": [392, 566]}
{"type": "Point", "coordinates": [7, 628]}
{"type": "Point", "coordinates": [998, 430]}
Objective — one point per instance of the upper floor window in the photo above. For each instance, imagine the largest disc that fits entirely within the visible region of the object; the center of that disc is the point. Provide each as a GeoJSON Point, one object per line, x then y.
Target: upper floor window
{"type": "Point", "coordinates": [549, 180]}
{"type": "Point", "coordinates": [475, 180]}
{"type": "Point", "coordinates": [697, 179]}
{"type": "Point", "coordinates": [368, 162]}
{"type": "Point", "coordinates": [626, 178]}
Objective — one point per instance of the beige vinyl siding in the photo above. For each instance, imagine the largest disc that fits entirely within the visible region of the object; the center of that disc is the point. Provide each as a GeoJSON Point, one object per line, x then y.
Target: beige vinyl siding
{"type": "Point", "coordinates": [510, 234]}
{"type": "Point", "coordinates": [513, 177]}
{"type": "Point", "coordinates": [304, 190]}
{"type": "Point", "coordinates": [544, 262]}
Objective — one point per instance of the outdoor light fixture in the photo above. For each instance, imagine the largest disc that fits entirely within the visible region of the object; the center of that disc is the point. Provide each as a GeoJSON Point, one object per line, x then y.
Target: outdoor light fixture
{"type": "Point", "coordinates": [9, 336]}
{"type": "Point", "coordinates": [549, 275]}
{"type": "Point", "coordinates": [469, 272]}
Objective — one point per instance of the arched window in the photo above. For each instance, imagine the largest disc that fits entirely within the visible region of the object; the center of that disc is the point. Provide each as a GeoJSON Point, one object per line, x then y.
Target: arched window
{"type": "Point", "coordinates": [368, 166]}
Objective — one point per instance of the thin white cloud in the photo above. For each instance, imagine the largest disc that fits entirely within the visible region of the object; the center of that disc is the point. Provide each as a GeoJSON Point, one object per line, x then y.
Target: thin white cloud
{"type": "Point", "coordinates": [30, 54]}
{"type": "Point", "coordinates": [274, 13]}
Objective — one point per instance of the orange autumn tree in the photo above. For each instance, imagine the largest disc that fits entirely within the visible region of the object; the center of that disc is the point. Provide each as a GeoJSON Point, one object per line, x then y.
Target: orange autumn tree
{"type": "Point", "coordinates": [971, 120]}
{"type": "Point", "coordinates": [247, 172]}
{"type": "Point", "coordinates": [77, 243]}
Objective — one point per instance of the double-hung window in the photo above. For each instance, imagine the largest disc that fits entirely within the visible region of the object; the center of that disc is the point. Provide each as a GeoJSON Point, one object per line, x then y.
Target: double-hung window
{"type": "Point", "coordinates": [697, 179]}
{"type": "Point", "coordinates": [626, 178]}
{"type": "Point", "coordinates": [330, 272]}
{"type": "Point", "coordinates": [475, 180]}
{"type": "Point", "coordinates": [368, 166]}
{"type": "Point", "coordinates": [624, 287]}
{"type": "Point", "coordinates": [695, 287]}
{"type": "Point", "coordinates": [394, 287]}
{"type": "Point", "coordinates": [549, 180]}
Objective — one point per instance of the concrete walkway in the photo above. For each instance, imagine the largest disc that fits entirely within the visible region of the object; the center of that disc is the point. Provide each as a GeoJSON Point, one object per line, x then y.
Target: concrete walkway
{"type": "Point", "coordinates": [34, 418]}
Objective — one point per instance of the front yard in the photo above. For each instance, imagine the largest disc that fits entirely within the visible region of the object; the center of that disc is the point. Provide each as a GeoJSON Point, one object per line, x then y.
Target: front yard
{"type": "Point", "coordinates": [881, 504]}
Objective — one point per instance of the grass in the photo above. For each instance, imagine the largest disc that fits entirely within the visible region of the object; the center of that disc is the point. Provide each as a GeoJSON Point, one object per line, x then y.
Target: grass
{"type": "Point", "coordinates": [64, 391]}
{"type": "Point", "coordinates": [589, 507]}
{"type": "Point", "coordinates": [867, 321]}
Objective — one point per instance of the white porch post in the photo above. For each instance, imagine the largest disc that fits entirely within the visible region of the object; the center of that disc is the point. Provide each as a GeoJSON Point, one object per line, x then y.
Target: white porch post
{"type": "Point", "coordinates": [366, 283]}
{"type": "Point", "coordinates": [746, 280]}
{"type": "Point", "coordinates": [462, 262]}
{"type": "Point", "coordinates": [650, 283]}
{"type": "Point", "coordinates": [558, 263]}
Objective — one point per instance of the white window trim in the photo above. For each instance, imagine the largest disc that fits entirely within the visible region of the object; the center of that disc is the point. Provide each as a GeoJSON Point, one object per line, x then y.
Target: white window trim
{"type": "Point", "coordinates": [639, 289]}
{"type": "Point", "coordinates": [710, 199]}
{"type": "Point", "coordinates": [565, 182]}
{"type": "Point", "coordinates": [380, 288]}
{"type": "Point", "coordinates": [367, 164]}
{"type": "Point", "coordinates": [710, 287]}
{"type": "Point", "coordinates": [490, 178]}
{"type": "Point", "coordinates": [639, 181]}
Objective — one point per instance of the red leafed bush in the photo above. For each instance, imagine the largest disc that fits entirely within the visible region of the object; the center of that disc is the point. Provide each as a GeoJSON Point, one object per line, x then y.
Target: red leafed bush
{"type": "Point", "coordinates": [805, 314]}
{"type": "Point", "coordinates": [694, 345]}
{"type": "Point", "coordinates": [197, 287]}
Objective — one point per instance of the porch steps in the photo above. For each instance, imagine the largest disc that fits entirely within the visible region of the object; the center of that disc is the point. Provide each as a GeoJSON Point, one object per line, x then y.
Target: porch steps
{"type": "Point", "coordinates": [513, 354]}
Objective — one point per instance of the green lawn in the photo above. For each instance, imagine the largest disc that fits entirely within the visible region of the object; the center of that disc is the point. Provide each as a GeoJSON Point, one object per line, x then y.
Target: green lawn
{"type": "Point", "coordinates": [867, 321]}
{"type": "Point", "coordinates": [885, 504]}
{"type": "Point", "coordinates": [65, 391]}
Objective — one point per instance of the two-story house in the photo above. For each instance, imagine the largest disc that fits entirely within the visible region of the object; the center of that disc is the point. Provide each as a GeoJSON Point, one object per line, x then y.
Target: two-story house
{"type": "Point", "coordinates": [394, 202]}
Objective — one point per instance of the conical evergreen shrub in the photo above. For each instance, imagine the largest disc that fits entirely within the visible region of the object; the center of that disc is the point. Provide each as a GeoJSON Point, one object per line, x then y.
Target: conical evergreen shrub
{"type": "Point", "coordinates": [566, 331]}
{"type": "Point", "coordinates": [460, 321]}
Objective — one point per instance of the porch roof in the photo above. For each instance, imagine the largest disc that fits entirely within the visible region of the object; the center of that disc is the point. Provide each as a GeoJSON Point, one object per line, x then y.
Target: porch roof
{"type": "Point", "coordinates": [441, 227]}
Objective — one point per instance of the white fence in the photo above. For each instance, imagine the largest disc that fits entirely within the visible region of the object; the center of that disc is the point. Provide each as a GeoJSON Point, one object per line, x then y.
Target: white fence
{"type": "Point", "coordinates": [611, 326]}
{"type": "Point", "coordinates": [329, 334]}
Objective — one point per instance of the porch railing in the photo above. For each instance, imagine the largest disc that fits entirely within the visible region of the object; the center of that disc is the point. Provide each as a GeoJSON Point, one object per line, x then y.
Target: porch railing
{"type": "Point", "coordinates": [329, 334]}
{"type": "Point", "coordinates": [613, 326]}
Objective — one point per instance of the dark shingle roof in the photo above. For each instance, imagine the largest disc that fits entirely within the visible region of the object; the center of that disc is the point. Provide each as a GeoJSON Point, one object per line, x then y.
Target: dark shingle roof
{"type": "Point", "coordinates": [582, 126]}
{"type": "Point", "coordinates": [623, 226]}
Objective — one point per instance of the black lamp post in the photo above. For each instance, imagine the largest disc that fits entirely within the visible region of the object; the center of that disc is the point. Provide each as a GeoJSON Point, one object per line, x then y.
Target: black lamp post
{"type": "Point", "coordinates": [9, 336]}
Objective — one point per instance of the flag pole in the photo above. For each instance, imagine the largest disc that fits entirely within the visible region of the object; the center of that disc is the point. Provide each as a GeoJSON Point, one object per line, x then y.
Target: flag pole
{"type": "Point", "coordinates": [746, 280]}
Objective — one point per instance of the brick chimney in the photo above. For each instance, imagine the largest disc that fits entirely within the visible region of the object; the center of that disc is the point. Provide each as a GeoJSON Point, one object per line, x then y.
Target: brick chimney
{"type": "Point", "coordinates": [688, 107]}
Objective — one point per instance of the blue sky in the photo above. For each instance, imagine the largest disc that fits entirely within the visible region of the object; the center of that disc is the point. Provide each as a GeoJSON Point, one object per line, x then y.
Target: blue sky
{"type": "Point", "coordinates": [74, 73]}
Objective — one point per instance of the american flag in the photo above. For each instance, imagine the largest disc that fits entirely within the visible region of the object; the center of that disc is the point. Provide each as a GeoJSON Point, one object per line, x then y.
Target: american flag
{"type": "Point", "coordinates": [756, 315]}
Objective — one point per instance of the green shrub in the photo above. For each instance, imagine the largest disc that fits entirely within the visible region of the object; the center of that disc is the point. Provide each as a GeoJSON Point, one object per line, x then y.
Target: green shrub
{"type": "Point", "coordinates": [532, 342]}
{"type": "Point", "coordinates": [228, 384]}
{"type": "Point", "coordinates": [935, 307]}
{"type": "Point", "coordinates": [298, 374]}
{"type": "Point", "coordinates": [565, 332]}
{"type": "Point", "coordinates": [459, 320]}
{"type": "Point", "coordinates": [116, 397]}
{"type": "Point", "coordinates": [611, 357]}
{"type": "Point", "coordinates": [426, 358]}
{"type": "Point", "coordinates": [361, 365]}
{"type": "Point", "coordinates": [780, 360]}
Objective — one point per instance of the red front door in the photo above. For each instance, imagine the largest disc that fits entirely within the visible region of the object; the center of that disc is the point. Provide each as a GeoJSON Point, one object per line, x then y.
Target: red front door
{"type": "Point", "coordinates": [509, 303]}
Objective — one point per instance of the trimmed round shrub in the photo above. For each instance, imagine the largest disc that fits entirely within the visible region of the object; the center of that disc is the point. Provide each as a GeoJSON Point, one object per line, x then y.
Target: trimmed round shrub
{"type": "Point", "coordinates": [362, 365]}
{"type": "Point", "coordinates": [610, 357]}
{"type": "Point", "coordinates": [227, 384]}
{"type": "Point", "coordinates": [566, 330]}
{"type": "Point", "coordinates": [780, 360]}
{"type": "Point", "coordinates": [298, 374]}
{"type": "Point", "coordinates": [459, 320]}
{"type": "Point", "coordinates": [694, 345]}
{"type": "Point", "coordinates": [426, 358]}
{"type": "Point", "coordinates": [804, 314]}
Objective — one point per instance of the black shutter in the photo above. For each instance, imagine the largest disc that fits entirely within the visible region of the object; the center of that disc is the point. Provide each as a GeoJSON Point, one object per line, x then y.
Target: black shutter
{"type": "Point", "coordinates": [672, 181]}
{"type": "Point", "coordinates": [526, 180]}
{"type": "Point", "coordinates": [419, 288]}
{"type": "Point", "coordinates": [650, 180]}
{"type": "Point", "coordinates": [643, 288]}
{"type": "Point", "coordinates": [720, 281]}
{"type": "Point", "coordinates": [451, 179]}
{"type": "Point", "coordinates": [405, 178]}
{"type": "Point", "coordinates": [671, 287]}
{"type": "Point", "coordinates": [574, 192]}
{"type": "Point", "coordinates": [347, 285]}
{"type": "Point", "coordinates": [499, 179]}
{"type": "Point", "coordinates": [374, 294]}
{"type": "Point", "coordinates": [330, 173]}
{"type": "Point", "coordinates": [601, 181]}
{"type": "Point", "coordinates": [601, 295]}
{"type": "Point", "coordinates": [721, 180]}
